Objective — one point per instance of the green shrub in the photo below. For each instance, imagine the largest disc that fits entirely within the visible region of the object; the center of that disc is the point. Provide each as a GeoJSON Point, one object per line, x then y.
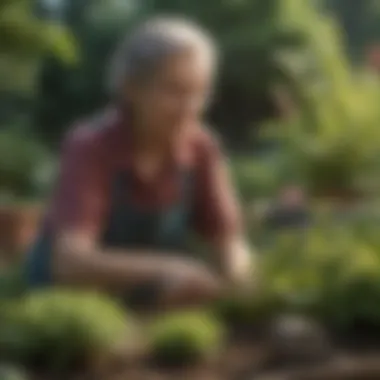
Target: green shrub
{"type": "Point", "coordinates": [12, 282]}
{"type": "Point", "coordinates": [330, 272]}
{"type": "Point", "coordinates": [353, 296]}
{"type": "Point", "coordinates": [249, 312]}
{"type": "Point", "coordinates": [183, 338]}
{"type": "Point", "coordinates": [332, 145]}
{"type": "Point", "coordinates": [9, 372]}
{"type": "Point", "coordinates": [255, 177]}
{"type": "Point", "coordinates": [22, 160]}
{"type": "Point", "coordinates": [331, 141]}
{"type": "Point", "coordinates": [60, 328]}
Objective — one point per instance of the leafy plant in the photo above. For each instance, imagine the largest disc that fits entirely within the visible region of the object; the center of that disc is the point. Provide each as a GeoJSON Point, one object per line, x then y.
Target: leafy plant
{"type": "Point", "coordinates": [9, 372]}
{"type": "Point", "coordinates": [255, 177]}
{"type": "Point", "coordinates": [335, 147]}
{"type": "Point", "coordinates": [57, 329]}
{"type": "Point", "coordinates": [329, 271]}
{"type": "Point", "coordinates": [185, 337]}
{"type": "Point", "coordinates": [25, 39]}
{"type": "Point", "coordinates": [331, 141]}
{"type": "Point", "coordinates": [249, 312]}
{"type": "Point", "coordinates": [12, 282]}
{"type": "Point", "coordinates": [21, 160]}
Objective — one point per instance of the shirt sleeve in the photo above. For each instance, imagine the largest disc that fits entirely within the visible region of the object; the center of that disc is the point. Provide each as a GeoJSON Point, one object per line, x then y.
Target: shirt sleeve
{"type": "Point", "coordinates": [80, 198]}
{"type": "Point", "coordinates": [217, 212]}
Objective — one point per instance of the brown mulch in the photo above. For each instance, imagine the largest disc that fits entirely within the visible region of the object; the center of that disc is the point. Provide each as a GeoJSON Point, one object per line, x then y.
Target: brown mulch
{"type": "Point", "coordinates": [248, 367]}
{"type": "Point", "coordinates": [244, 360]}
{"type": "Point", "coordinates": [344, 367]}
{"type": "Point", "coordinates": [258, 355]}
{"type": "Point", "coordinates": [248, 363]}
{"type": "Point", "coordinates": [249, 357]}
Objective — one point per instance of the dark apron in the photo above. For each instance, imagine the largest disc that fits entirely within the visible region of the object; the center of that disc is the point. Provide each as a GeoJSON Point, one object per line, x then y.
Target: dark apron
{"type": "Point", "coordinates": [128, 227]}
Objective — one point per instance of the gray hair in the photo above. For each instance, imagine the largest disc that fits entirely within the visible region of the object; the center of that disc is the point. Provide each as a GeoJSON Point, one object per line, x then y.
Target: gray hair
{"type": "Point", "coordinates": [141, 53]}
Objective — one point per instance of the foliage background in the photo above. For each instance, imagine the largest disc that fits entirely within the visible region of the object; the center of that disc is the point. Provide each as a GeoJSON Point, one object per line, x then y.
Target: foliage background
{"type": "Point", "coordinates": [54, 54]}
{"type": "Point", "coordinates": [297, 104]}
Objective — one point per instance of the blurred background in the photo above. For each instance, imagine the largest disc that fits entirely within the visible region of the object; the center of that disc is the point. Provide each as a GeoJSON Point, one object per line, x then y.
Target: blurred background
{"type": "Point", "coordinates": [298, 86]}
{"type": "Point", "coordinates": [297, 107]}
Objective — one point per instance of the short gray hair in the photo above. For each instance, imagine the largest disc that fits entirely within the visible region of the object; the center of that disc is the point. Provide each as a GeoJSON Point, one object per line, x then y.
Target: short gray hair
{"type": "Point", "coordinates": [140, 53]}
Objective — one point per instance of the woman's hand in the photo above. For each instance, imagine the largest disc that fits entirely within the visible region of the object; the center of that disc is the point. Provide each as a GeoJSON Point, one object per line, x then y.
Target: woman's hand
{"type": "Point", "coordinates": [239, 266]}
{"type": "Point", "coordinates": [189, 283]}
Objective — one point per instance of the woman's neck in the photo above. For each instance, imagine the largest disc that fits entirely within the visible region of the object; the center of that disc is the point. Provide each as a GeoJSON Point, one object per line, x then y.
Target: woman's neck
{"type": "Point", "coordinates": [145, 141]}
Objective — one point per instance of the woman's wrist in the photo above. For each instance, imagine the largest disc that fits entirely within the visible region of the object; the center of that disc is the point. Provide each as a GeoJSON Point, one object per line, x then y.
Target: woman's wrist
{"type": "Point", "coordinates": [243, 279]}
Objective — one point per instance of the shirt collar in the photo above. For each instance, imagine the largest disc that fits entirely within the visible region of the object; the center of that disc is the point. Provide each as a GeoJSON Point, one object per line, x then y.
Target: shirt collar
{"type": "Point", "coordinates": [181, 147]}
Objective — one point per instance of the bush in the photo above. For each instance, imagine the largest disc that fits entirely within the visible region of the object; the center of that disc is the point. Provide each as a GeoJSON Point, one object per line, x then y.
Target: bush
{"type": "Point", "coordinates": [8, 372]}
{"type": "Point", "coordinates": [183, 338]}
{"type": "Point", "coordinates": [332, 145]}
{"type": "Point", "coordinates": [331, 140]}
{"type": "Point", "coordinates": [12, 282]}
{"type": "Point", "coordinates": [249, 312]}
{"type": "Point", "coordinates": [352, 298]}
{"type": "Point", "coordinates": [58, 329]}
{"type": "Point", "coordinates": [255, 177]}
{"type": "Point", "coordinates": [330, 272]}
{"type": "Point", "coordinates": [22, 161]}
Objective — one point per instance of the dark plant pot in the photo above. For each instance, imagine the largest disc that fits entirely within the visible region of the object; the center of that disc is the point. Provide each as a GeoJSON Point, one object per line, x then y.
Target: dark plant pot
{"type": "Point", "coordinates": [18, 227]}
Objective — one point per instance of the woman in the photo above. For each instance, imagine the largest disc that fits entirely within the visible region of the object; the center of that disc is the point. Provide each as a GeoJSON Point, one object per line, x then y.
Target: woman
{"type": "Point", "coordinates": [137, 179]}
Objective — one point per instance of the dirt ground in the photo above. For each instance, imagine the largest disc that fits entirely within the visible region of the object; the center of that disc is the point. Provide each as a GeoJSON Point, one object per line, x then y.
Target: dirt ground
{"type": "Point", "coordinates": [247, 357]}
{"type": "Point", "coordinates": [244, 360]}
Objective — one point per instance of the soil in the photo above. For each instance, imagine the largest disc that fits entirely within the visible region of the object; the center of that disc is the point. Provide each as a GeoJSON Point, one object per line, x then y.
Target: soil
{"type": "Point", "coordinates": [253, 354]}
{"type": "Point", "coordinates": [249, 359]}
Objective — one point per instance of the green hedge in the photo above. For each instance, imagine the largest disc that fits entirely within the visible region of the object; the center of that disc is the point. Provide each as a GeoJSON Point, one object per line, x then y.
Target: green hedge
{"type": "Point", "coordinates": [331, 271]}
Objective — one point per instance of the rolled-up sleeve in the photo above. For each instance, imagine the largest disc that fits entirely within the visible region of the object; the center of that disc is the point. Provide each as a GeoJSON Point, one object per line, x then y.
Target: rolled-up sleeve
{"type": "Point", "coordinates": [80, 199]}
{"type": "Point", "coordinates": [217, 212]}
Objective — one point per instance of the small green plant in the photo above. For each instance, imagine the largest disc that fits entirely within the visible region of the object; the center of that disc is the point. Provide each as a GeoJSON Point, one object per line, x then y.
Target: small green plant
{"type": "Point", "coordinates": [12, 282]}
{"type": "Point", "coordinates": [22, 159]}
{"type": "Point", "coordinates": [331, 272]}
{"type": "Point", "coordinates": [352, 297]}
{"type": "Point", "coordinates": [59, 329]}
{"type": "Point", "coordinates": [183, 338]}
{"type": "Point", "coordinates": [255, 177]}
{"type": "Point", "coordinates": [331, 146]}
{"type": "Point", "coordinates": [249, 312]}
{"type": "Point", "coordinates": [10, 372]}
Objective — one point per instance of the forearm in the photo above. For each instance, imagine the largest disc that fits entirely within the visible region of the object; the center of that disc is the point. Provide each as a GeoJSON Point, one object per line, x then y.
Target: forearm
{"type": "Point", "coordinates": [180, 282]}
{"type": "Point", "coordinates": [110, 269]}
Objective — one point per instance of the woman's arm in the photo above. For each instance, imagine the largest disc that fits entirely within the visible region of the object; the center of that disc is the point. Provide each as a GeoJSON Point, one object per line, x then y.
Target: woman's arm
{"type": "Point", "coordinates": [78, 211]}
{"type": "Point", "coordinates": [78, 261]}
{"type": "Point", "coordinates": [219, 217]}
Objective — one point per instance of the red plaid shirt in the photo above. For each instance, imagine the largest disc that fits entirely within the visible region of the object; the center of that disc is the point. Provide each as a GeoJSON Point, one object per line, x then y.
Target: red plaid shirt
{"type": "Point", "coordinates": [93, 154]}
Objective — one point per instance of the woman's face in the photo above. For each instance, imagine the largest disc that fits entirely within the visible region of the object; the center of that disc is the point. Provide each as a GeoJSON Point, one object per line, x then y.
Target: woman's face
{"type": "Point", "coordinates": [176, 95]}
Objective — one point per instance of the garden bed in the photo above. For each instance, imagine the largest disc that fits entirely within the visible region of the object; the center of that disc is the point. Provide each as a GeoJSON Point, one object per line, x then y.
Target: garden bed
{"type": "Point", "coordinates": [248, 359]}
{"type": "Point", "coordinates": [261, 336]}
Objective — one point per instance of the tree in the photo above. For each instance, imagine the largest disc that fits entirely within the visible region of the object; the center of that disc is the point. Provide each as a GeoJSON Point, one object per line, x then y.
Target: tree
{"type": "Point", "coordinates": [71, 92]}
{"type": "Point", "coordinates": [254, 37]}
{"type": "Point", "coordinates": [24, 39]}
